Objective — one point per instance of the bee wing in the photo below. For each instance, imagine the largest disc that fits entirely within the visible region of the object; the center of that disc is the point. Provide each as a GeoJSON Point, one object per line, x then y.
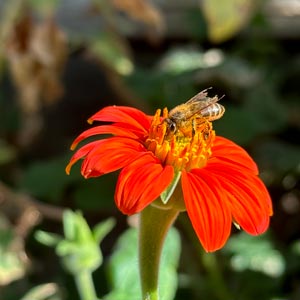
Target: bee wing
{"type": "Point", "coordinates": [201, 96]}
{"type": "Point", "coordinates": [201, 101]}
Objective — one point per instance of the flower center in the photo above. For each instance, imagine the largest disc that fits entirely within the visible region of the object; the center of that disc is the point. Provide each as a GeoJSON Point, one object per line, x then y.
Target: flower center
{"type": "Point", "coordinates": [184, 144]}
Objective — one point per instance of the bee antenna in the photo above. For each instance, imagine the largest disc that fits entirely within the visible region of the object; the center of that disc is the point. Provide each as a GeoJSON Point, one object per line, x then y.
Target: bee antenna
{"type": "Point", "coordinates": [221, 97]}
{"type": "Point", "coordinates": [209, 88]}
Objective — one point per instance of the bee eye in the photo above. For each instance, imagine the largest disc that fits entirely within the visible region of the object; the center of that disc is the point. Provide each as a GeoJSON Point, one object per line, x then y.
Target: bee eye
{"type": "Point", "coordinates": [172, 127]}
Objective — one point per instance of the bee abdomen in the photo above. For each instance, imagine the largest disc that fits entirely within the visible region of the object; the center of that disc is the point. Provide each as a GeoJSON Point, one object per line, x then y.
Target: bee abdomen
{"type": "Point", "coordinates": [213, 112]}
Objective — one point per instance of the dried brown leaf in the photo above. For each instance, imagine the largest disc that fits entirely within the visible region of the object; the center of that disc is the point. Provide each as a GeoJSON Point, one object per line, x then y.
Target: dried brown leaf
{"type": "Point", "coordinates": [36, 55]}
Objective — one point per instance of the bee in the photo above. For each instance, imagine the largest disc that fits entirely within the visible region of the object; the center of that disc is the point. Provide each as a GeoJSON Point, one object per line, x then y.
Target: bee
{"type": "Point", "coordinates": [200, 108]}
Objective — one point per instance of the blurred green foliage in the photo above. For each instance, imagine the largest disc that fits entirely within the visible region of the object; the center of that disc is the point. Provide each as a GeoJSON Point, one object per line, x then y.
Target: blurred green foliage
{"type": "Point", "coordinates": [47, 291]}
{"type": "Point", "coordinates": [151, 60]}
{"type": "Point", "coordinates": [12, 256]}
{"type": "Point", "coordinates": [123, 270]}
{"type": "Point", "coordinates": [79, 248]}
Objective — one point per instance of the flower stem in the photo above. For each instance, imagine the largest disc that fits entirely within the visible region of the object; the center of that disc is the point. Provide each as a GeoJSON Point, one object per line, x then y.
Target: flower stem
{"type": "Point", "coordinates": [154, 225]}
{"type": "Point", "coordinates": [85, 285]}
{"type": "Point", "coordinates": [210, 262]}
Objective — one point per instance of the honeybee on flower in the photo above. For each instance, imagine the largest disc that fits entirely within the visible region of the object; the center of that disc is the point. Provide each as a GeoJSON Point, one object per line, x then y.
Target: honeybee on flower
{"type": "Point", "coordinates": [185, 117]}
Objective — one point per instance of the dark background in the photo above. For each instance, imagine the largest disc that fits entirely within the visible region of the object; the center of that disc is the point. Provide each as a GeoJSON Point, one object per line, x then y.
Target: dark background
{"type": "Point", "coordinates": [62, 61]}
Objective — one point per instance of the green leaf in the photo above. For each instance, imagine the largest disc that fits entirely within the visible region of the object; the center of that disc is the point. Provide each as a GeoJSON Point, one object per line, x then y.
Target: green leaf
{"type": "Point", "coordinates": [48, 291]}
{"type": "Point", "coordinates": [78, 258]}
{"type": "Point", "coordinates": [76, 228]}
{"type": "Point", "coordinates": [101, 230]}
{"type": "Point", "coordinates": [83, 231]}
{"type": "Point", "coordinates": [227, 17]}
{"type": "Point", "coordinates": [69, 224]}
{"type": "Point", "coordinates": [168, 192]}
{"type": "Point", "coordinates": [181, 60]}
{"type": "Point", "coordinates": [113, 50]}
{"type": "Point", "coordinates": [79, 248]}
{"type": "Point", "coordinates": [65, 248]}
{"type": "Point", "coordinates": [255, 254]}
{"type": "Point", "coordinates": [47, 238]}
{"type": "Point", "coordinates": [124, 273]}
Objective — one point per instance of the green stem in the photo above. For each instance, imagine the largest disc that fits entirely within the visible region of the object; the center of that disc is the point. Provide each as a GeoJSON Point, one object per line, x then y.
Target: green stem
{"type": "Point", "coordinates": [85, 285]}
{"type": "Point", "coordinates": [154, 225]}
{"type": "Point", "coordinates": [211, 264]}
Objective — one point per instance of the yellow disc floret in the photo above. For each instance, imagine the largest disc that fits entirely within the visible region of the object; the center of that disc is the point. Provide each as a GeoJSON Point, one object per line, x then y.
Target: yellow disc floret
{"type": "Point", "coordinates": [187, 148]}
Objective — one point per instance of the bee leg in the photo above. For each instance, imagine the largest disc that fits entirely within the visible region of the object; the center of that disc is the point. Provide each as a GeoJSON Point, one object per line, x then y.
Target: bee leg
{"type": "Point", "coordinates": [194, 126]}
{"type": "Point", "coordinates": [207, 130]}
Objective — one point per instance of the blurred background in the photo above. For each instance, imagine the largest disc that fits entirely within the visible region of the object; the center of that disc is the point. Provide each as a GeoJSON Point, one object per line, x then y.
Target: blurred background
{"type": "Point", "coordinates": [61, 61]}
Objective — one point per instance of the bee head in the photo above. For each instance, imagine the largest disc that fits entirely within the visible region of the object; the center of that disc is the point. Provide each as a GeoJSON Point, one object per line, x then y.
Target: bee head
{"type": "Point", "coordinates": [172, 128]}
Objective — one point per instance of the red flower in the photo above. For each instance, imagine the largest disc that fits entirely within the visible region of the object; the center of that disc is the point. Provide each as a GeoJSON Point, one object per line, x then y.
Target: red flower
{"type": "Point", "coordinates": [219, 181]}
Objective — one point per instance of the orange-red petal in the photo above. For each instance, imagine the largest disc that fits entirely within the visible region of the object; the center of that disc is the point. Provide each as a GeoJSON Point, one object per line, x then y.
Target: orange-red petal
{"type": "Point", "coordinates": [118, 129]}
{"type": "Point", "coordinates": [82, 152]}
{"type": "Point", "coordinates": [123, 114]}
{"type": "Point", "coordinates": [248, 198]}
{"type": "Point", "coordinates": [141, 182]}
{"type": "Point", "coordinates": [207, 209]}
{"type": "Point", "coordinates": [112, 154]}
{"type": "Point", "coordinates": [225, 151]}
